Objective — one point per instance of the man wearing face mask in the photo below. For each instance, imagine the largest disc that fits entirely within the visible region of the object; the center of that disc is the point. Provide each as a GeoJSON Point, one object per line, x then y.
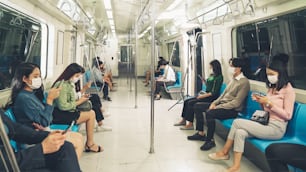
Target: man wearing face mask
{"type": "Point", "coordinates": [226, 106]}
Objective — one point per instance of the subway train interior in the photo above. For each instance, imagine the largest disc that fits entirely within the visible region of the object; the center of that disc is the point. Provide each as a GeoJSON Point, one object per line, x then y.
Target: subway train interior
{"type": "Point", "coordinates": [129, 36]}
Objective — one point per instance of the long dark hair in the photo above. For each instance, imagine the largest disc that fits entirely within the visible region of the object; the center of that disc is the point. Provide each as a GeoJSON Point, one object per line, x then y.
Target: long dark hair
{"type": "Point", "coordinates": [70, 70]}
{"type": "Point", "coordinates": [216, 67]}
{"type": "Point", "coordinates": [24, 70]}
{"type": "Point", "coordinates": [279, 64]}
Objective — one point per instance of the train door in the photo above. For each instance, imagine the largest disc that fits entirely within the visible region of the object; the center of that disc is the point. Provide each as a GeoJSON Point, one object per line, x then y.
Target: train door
{"type": "Point", "coordinates": [126, 62]}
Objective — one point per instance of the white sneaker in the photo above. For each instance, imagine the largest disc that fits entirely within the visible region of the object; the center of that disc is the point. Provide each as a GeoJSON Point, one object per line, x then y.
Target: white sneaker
{"type": "Point", "coordinates": [103, 128]}
{"type": "Point", "coordinates": [106, 114]}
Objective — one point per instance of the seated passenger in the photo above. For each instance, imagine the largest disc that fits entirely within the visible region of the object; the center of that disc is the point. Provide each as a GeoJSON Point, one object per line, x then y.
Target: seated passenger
{"type": "Point", "coordinates": [66, 104]}
{"type": "Point", "coordinates": [227, 106]}
{"type": "Point", "coordinates": [280, 155]}
{"type": "Point", "coordinates": [213, 86]}
{"type": "Point", "coordinates": [157, 72]}
{"type": "Point", "coordinates": [98, 77]}
{"type": "Point", "coordinates": [96, 103]}
{"type": "Point", "coordinates": [279, 102]}
{"type": "Point", "coordinates": [168, 78]}
{"type": "Point", "coordinates": [27, 101]}
{"type": "Point", "coordinates": [50, 152]}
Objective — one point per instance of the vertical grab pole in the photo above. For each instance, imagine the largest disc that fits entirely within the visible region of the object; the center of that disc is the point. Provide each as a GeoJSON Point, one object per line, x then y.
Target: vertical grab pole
{"type": "Point", "coordinates": [136, 55]}
{"type": "Point", "coordinates": [8, 148]}
{"type": "Point", "coordinates": [152, 75]}
{"type": "Point", "coordinates": [131, 65]}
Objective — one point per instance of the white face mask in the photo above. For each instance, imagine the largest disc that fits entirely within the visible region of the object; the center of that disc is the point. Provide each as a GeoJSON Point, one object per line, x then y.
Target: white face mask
{"type": "Point", "coordinates": [36, 83]}
{"type": "Point", "coordinates": [272, 79]}
{"type": "Point", "coordinates": [231, 71]}
{"type": "Point", "coordinates": [75, 79]}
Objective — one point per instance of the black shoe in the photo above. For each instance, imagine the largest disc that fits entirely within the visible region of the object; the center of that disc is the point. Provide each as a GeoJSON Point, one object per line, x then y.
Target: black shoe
{"type": "Point", "coordinates": [208, 145]}
{"type": "Point", "coordinates": [197, 136]}
{"type": "Point", "coordinates": [107, 98]}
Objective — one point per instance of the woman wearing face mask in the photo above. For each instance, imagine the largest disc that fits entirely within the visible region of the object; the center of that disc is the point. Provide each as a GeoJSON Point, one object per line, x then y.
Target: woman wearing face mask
{"type": "Point", "coordinates": [65, 105]}
{"type": "Point", "coordinates": [226, 106]}
{"type": "Point", "coordinates": [279, 102]}
{"type": "Point", "coordinates": [27, 102]}
{"type": "Point", "coordinates": [212, 92]}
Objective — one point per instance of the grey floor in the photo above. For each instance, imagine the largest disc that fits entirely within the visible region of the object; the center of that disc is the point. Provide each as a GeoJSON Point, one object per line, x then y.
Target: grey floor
{"type": "Point", "coordinates": [126, 148]}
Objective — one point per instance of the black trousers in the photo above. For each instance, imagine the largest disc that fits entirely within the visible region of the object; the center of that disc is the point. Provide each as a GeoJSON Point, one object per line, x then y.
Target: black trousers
{"type": "Point", "coordinates": [96, 106]}
{"type": "Point", "coordinates": [188, 108]}
{"type": "Point", "coordinates": [211, 115]}
{"type": "Point", "coordinates": [160, 84]}
{"type": "Point", "coordinates": [105, 88]}
{"type": "Point", "coordinates": [279, 155]}
{"type": "Point", "coordinates": [64, 160]}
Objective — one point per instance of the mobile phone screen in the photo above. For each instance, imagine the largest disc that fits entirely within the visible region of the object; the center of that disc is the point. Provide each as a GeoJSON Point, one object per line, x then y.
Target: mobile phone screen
{"type": "Point", "coordinates": [68, 128]}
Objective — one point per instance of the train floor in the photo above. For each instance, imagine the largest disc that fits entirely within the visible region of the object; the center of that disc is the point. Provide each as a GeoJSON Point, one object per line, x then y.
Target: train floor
{"type": "Point", "coordinates": [127, 146]}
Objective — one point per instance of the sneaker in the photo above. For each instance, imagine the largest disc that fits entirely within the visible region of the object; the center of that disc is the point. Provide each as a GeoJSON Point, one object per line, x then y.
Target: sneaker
{"type": "Point", "coordinates": [106, 114]}
{"type": "Point", "coordinates": [208, 145]}
{"type": "Point", "coordinates": [103, 128]}
{"type": "Point", "coordinates": [197, 136]}
{"type": "Point", "coordinates": [107, 98]}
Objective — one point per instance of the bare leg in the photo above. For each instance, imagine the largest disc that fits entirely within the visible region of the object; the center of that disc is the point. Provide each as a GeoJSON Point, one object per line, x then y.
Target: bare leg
{"type": "Point", "coordinates": [89, 119]}
{"type": "Point", "coordinates": [237, 160]}
{"type": "Point", "coordinates": [226, 148]}
{"type": "Point", "coordinates": [77, 140]}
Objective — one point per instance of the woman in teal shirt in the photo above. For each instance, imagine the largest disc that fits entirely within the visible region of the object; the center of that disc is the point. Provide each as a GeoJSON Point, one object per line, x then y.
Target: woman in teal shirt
{"type": "Point", "coordinates": [212, 92]}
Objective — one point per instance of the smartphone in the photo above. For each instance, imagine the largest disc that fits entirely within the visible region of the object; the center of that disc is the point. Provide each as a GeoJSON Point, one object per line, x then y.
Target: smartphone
{"type": "Point", "coordinates": [60, 84]}
{"type": "Point", "coordinates": [68, 128]}
{"type": "Point", "coordinates": [258, 94]}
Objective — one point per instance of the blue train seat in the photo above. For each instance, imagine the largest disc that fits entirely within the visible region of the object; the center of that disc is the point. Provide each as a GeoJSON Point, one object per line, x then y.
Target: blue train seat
{"type": "Point", "coordinates": [16, 146]}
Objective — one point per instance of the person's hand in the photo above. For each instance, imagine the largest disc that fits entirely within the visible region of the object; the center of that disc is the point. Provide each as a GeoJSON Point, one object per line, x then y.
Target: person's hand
{"type": "Point", "coordinates": [212, 106]}
{"type": "Point", "coordinates": [53, 142]}
{"type": "Point", "coordinates": [88, 85]}
{"type": "Point", "coordinates": [53, 93]}
{"type": "Point", "coordinates": [38, 126]}
{"type": "Point", "coordinates": [82, 100]}
{"type": "Point", "coordinates": [261, 99]}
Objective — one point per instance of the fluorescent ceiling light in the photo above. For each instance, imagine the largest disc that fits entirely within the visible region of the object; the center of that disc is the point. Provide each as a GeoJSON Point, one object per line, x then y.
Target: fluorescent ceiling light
{"type": "Point", "coordinates": [107, 4]}
{"type": "Point", "coordinates": [109, 14]}
{"type": "Point", "coordinates": [111, 22]}
{"type": "Point", "coordinates": [174, 4]}
{"type": "Point", "coordinates": [112, 27]}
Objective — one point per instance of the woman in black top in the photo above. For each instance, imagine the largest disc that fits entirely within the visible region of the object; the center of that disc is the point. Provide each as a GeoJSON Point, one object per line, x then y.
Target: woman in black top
{"type": "Point", "coordinates": [213, 86]}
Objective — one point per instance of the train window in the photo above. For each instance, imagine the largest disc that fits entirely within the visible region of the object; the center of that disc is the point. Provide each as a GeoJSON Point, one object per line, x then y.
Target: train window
{"type": "Point", "coordinates": [20, 40]}
{"type": "Point", "coordinates": [282, 34]}
{"type": "Point", "coordinates": [174, 53]}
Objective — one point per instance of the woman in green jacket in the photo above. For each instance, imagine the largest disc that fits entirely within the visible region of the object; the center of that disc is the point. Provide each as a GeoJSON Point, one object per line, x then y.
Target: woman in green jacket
{"type": "Point", "coordinates": [66, 104]}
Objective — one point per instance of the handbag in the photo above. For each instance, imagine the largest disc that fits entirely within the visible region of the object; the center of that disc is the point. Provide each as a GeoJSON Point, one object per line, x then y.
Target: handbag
{"type": "Point", "coordinates": [261, 117]}
{"type": "Point", "coordinates": [85, 106]}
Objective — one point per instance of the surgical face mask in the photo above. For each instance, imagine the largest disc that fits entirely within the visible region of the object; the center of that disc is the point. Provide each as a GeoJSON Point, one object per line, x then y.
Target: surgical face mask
{"type": "Point", "coordinates": [75, 79]}
{"type": "Point", "coordinates": [231, 71]}
{"type": "Point", "coordinates": [36, 83]}
{"type": "Point", "coordinates": [272, 79]}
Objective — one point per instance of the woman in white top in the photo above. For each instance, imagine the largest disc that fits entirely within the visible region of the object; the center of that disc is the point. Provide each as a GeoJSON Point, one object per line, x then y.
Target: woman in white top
{"type": "Point", "coordinates": [168, 78]}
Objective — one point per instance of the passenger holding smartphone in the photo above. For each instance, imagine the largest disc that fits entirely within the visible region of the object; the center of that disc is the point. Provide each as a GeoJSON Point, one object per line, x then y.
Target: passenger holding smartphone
{"type": "Point", "coordinates": [49, 152]}
{"type": "Point", "coordinates": [213, 86]}
{"type": "Point", "coordinates": [27, 102]}
{"type": "Point", "coordinates": [279, 102]}
{"type": "Point", "coordinates": [65, 110]}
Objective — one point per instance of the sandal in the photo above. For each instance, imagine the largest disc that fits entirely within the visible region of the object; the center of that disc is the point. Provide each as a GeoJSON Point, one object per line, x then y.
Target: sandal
{"type": "Point", "coordinates": [88, 149]}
